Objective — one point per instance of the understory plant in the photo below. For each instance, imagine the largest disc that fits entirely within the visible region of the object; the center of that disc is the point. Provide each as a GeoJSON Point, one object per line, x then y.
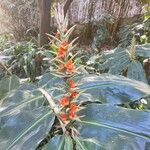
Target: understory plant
{"type": "Point", "coordinates": [140, 30]}
{"type": "Point", "coordinates": [25, 60]}
{"type": "Point", "coordinates": [65, 109]}
{"type": "Point", "coordinates": [130, 62]}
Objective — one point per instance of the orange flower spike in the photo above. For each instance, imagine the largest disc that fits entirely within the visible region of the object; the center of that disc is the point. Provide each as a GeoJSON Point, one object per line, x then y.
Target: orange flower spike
{"type": "Point", "coordinates": [74, 94]}
{"type": "Point", "coordinates": [64, 101]}
{"type": "Point", "coordinates": [71, 83]}
{"type": "Point", "coordinates": [61, 53]}
{"type": "Point", "coordinates": [73, 107]}
{"type": "Point", "coordinates": [69, 66]}
{"type": "Point", "coordinates": [63, 117]}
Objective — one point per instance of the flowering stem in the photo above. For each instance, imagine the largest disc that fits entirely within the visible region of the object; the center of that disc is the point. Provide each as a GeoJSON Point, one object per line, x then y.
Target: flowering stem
{"type": "Point", "coordinates": [53, 107]}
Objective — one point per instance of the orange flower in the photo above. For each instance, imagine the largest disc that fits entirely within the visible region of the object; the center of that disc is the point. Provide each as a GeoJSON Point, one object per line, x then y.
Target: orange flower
{"type": "Point", "coordinates": [72, 115]}
{"type": "Point", "coordinates": [74, 94]}
{"type": "Point", "coordinates": [64, 44]}
{"type": "Point", "coordinates": [64, 101]}
{"type": "Point", "coordinates": [63, 117]}
{"type": "Point", "coordinates": [71, 83]}
{"type": "Point", "coordinates": [69, 66]}
{"type": "Point", "coordinates": [73, 107]}
{"type": "Point", "coordinates": [61, 53]}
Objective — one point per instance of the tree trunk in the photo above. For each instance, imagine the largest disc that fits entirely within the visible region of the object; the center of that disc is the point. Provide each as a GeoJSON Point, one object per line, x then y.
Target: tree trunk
{"type": "Point", "coordinates": [44, 8]}
{"type": "Point", "coordinates": [66, 6]}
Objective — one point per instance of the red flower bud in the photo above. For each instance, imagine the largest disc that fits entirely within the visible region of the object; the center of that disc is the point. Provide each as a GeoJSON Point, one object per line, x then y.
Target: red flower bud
{"type": "Point", "coordinates": [64, 101]}
{"type": "Point", "coordinates": [69, 66]}
{"type": "Point", "coordinates": [61, 53]}
{"type": "Point", "coordinates": [73, 107]}
{"type": "Point", "coordinates": [72, 115]}
{"type": "Point", "coordinates": [71, 83]}
{"type": "Point", "coordinates": [64, 44]}
{"type": "Point", "coordinates": [74, 94]}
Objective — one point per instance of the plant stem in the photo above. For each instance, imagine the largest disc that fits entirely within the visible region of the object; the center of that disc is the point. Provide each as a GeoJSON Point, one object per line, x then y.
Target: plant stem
{"type": "Point", "coordinates": [5, 68]}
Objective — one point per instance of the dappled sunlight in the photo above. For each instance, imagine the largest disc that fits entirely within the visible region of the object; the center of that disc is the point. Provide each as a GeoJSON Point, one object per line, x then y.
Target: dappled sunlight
{"type": "Point", "coordinates": [74, 75]}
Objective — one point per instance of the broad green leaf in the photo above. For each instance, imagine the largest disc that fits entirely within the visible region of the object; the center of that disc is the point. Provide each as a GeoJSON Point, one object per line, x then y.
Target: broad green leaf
{"type": "Point", "coordinates": [87, 144]}
{"type": "Point", "coordinates": [120, 59]}
{"type": "Point", "coordinates": [143, 50]}
{"type": "Point", "coordinates": [123, 89]}
{"type": "Point", "coordinates": [117, 62]}
{"type": "Point", "coordinates": [109, 62]}
{"type": "Point", "coordinates": [115, 96]}
{"type": "Point", "coordinates": [136, 71]}
{"type": "Point", "coordinates": [8, 84]}
{"type": "Point", "coordinates": [49, 81]}
{"type": "Point", "coordinates": [119, 54]}
{"type": "Point", "coordinates": [121, 65]}
{"type": "Point", "coordinates": [68, 143]}
{"type": "Point", "coordinates": [26, 129]}
{"type": "Point", "coordinates": [59, 142]}
{"type": "Point", "coordinates": [116, 128]}
{"type": "Point", "coordinates": [24, 120]}
{"type": "Point", "coordinates": [26, 98]}
{"type": "Point", "coordinates": [53, 84]}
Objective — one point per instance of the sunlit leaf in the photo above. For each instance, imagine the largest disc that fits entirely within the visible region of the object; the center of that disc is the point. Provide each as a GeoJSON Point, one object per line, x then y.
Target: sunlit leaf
{"type": "Point", "coordinates": [59, 143]}
{"type": "Point", "coordinates": [122, 88]}
{"type": "Point", "coordinates": [8, 84]}
{"type": "Point", "coordinates": [136, 71]}
{"type": "Point", "coordinates": [116, 128]}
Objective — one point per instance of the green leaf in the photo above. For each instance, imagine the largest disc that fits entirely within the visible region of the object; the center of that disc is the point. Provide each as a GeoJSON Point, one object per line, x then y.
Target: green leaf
{"type": "Point", "coordinates": [122, 88]}
{"type": "Point", "coordinates": [68, 143]}
{"type": "Point", "coordinates": [121, 65]}
{"type": "Point", "coordinates": [49, 81]}
{"type": "Point", "coordinates": [8, 84]}
{"type": "Point", "coordinates": [87, 144]}
{"type": "Point", "coordinates": [53, 84]}
{"type": "Point", "coordinates": [25, 98]}
{"type": "Point", "coordinates": [59, 143]}
{"type": "Point", "coordinates": [47, 54]}
{"type": "Point", "coordinates": [143, 50]}
{"type": "Point", "coordinates": [116, 128]}
{"type": "Point", "coordinates": [24, 120]}
{"type": "Point", "coordinates": [135, 71]}
{"type": "Point", "coordinates": [117, 62]}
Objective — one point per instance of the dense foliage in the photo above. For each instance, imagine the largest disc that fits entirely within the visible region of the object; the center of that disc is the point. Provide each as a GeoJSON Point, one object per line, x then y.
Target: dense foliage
{"type": "Point", "coordinates": [71, 104]}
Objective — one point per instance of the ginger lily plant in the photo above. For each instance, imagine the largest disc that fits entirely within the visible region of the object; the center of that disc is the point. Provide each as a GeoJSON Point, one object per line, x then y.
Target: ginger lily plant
{"type": "Point", "coordinates": [67, 110]}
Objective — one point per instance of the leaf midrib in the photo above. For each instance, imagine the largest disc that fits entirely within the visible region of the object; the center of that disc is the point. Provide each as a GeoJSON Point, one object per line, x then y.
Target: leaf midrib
{"type": "Point", "coordinates": [27, 130]}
